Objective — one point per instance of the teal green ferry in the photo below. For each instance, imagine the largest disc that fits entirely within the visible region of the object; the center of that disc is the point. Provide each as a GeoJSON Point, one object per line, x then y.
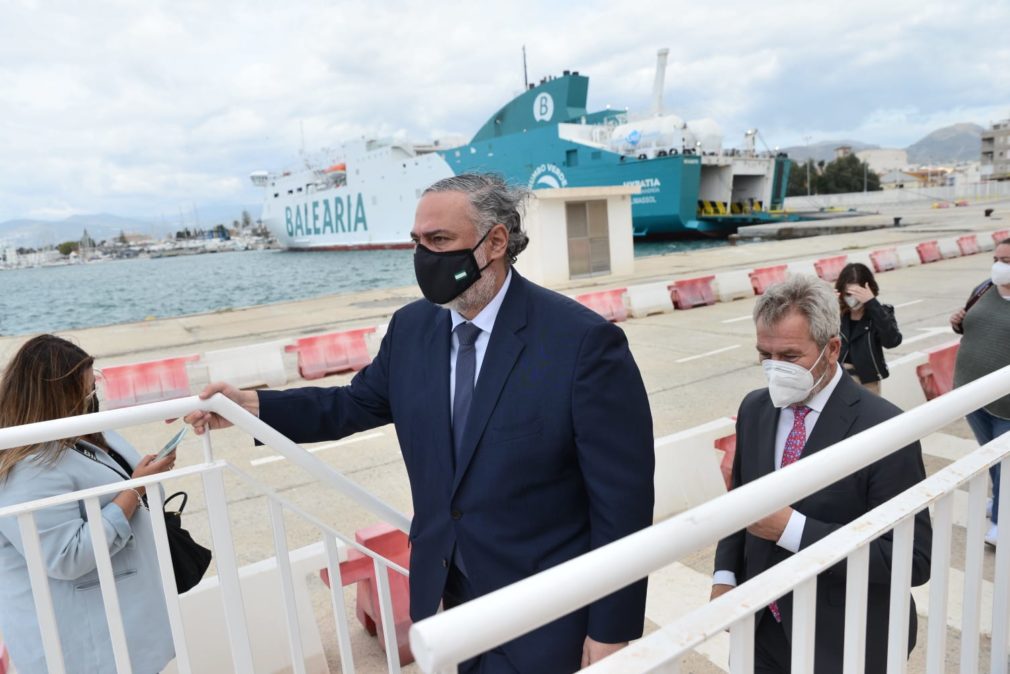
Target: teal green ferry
{"type": "Point", "coordinates": [546, 138]}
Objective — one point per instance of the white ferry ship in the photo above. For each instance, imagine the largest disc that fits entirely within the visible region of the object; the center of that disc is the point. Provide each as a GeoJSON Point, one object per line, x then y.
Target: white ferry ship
{"type": "Point", "coordinates": [361, 196]}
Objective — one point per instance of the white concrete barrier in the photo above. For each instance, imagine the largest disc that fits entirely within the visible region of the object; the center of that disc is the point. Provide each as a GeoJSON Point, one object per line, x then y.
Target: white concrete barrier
{"type": "Point", "coordinates": [207, 634]}
{"type": "Point", "coordinates": [985, 241]}
{"type": "Point", "coordinates": [860, 257]}
{"type": "Point", "coordinates": [733, 285]}
{"type": "Point", "coordinates": [248, 366]}
{"type": "Point", "coordinates": [648, 298]}
{"type": "Point", "coordinates": [902, 387]}
{"type": "Point", "coordinates": [804, 267]}
{"type": "Point", "coordinates": [948, 247]}
{"type": "Point", "coordinates": [373, 340]}
{"type": "Point", "coordinates": [908, 255]}
{"type": "Point", "coordinates": [687, 467]}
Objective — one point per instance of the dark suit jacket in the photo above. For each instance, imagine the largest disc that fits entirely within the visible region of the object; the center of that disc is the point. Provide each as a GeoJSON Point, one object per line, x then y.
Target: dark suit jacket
{"type": "Point", "coordinates": [557, 458]}
{"type": "Point", "coordinates": [851, 409]}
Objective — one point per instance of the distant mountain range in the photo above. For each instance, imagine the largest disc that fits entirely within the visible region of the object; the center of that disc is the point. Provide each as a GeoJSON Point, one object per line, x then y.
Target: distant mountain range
{"type": "Point", "coordinates": [951, 144]}
{"type": "Point", "coordinates": [35, 232]}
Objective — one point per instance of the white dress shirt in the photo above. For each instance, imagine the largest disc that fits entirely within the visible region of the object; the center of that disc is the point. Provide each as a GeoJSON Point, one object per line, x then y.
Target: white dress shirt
{"type": "Point", "coordinates": [485, 321]}
{"type": "Point", "coordinates": [792, 535]}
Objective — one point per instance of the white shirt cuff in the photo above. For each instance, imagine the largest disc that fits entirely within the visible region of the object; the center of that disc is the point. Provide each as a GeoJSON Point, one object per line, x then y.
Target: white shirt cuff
{"type": "Point", "coordinates": [724, 578]}
{"type": "Point", "coordinates": [792, 535]}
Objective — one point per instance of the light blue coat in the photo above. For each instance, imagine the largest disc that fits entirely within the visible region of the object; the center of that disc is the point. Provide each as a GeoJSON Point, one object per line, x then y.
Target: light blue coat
{"type": "Point", "coordinates": [73, 579]}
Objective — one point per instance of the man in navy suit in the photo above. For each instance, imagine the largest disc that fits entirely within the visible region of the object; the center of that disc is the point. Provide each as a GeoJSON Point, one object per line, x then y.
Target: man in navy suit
{"type": "Point", "coordinates": [522, 419]}
{"type": "Point", "coordinates": [811, 404]}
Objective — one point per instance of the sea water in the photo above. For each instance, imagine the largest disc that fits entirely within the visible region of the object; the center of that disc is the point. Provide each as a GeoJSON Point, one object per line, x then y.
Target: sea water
{"type": "Point", "coordinates": [50, 299]}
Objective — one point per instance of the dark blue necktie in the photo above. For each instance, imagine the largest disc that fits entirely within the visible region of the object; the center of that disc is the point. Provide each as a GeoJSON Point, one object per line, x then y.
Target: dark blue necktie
{"type": "Point", "coordinates": [466, 369]}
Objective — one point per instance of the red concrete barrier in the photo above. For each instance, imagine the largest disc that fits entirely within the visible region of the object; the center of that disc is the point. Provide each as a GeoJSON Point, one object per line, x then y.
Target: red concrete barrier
{"type": "Point", "coordinates": [359, 568]}
{"type": "Point", "coordinates": [151, 381]}
{"type": "Point", "coordinates": [936, 376]}
{"type": "Point", "coordinates": [885, 259]}
{"type": "Point", "coordinates": [968, 244]}
{"type": "Point", "coordinates": [829, 268]}
{"type": "Point", "coordinates": [929, 251]}
{"type": "Point", "coordinates": [607, 303]}
{"type": "Point", "coordinates": [5, 659]}
{"type": "Point", "coordinates": [692, 292]}
{"type": "Point", "coordinates": [728, 445]}
{"type": "Point", "coordinates": [333, 352]}
{"type": "Point", "coordinates": [762, 277]}
{"type": "Point", "coordinates": [1000, 235]}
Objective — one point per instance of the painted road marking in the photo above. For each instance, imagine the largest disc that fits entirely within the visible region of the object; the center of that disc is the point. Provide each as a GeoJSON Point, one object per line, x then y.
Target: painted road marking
{"type": "Point", "coordinates": [708, 353]}
{"type": "Point", "coordinates": [738, 319]}
{"type": "Point", "coordinates": [319, 448]}
{"type": "Point", "coordinates": [927, 333]}
{"type": "Point", "coordinates": [907, 304]}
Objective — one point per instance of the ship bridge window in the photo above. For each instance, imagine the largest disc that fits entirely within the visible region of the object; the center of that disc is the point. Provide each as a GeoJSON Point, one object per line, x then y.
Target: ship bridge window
{"type": "Point", "coordinates": [299, 189]}
{"type": "Point", "coordinates": [571, 158]}
{"type": "Point", "coordinates": [276, 194]}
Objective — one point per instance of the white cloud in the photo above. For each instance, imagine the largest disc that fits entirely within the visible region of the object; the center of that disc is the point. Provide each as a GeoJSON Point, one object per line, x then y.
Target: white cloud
{"type": "Point", "coordinates": [139, 108]}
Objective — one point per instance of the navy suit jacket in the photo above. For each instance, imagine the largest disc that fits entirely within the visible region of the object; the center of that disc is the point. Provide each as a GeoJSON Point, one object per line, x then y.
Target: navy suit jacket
{"type": "Point", "coordinates": [849, 410]}
{"type": "Point", "coordinates": [557, 456]}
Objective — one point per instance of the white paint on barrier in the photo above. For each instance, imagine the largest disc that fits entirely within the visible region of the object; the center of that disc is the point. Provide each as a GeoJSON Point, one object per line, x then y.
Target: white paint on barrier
{"type": "Point", "coordinates": [708, 353]}
{"type": "Point", "coordinates": [319, 448]}
{"type": "Point", "coordinates": [737, 319]}
{"type": "Point", "coordinates": [907, 304]}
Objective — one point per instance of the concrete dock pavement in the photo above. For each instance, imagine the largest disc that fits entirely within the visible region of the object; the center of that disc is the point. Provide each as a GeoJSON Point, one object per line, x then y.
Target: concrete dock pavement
{"type": "Point", "coordinates": [697, 365]}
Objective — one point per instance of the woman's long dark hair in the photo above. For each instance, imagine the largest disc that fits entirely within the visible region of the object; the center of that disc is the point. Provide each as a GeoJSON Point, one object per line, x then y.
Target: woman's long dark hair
{"type": "Point", "coordinates": [45, 380]}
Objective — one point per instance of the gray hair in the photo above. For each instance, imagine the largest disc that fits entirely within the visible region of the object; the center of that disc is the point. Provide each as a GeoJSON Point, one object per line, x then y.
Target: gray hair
{"type": "Point", "coordinates": [493, 201]}
{"type": "Point", "coordinates": [807, 295]}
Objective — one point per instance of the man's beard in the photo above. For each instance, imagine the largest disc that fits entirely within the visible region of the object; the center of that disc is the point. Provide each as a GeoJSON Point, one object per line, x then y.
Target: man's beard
{"type": "Point", "coordinates": [477, 296]}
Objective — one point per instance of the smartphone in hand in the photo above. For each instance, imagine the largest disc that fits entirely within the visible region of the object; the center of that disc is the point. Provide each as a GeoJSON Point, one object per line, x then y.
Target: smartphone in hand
{"type": "Point", "coordinates": [172, 444]}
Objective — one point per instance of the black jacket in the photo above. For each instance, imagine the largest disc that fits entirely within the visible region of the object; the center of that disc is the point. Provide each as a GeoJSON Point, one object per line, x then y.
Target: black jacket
{"type": "Point", "coordinates": [866, 349]}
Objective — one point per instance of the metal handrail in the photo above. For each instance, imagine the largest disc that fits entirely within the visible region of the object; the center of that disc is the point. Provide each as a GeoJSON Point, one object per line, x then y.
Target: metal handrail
{"type": "Point", "coordinates": [56, 429]}
{"type": "Point", "coordinates": [442, 641]}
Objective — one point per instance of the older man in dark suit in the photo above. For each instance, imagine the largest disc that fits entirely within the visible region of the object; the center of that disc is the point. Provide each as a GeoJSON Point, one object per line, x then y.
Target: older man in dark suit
{"type": "Point", "coordinates": [811, 404]}
{"type": "Point", "coordinates": [522, 418]}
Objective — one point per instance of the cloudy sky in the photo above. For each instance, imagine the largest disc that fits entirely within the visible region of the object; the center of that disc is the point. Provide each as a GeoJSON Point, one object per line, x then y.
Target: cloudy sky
{"type": "Point", "coordinates": [148, 108]}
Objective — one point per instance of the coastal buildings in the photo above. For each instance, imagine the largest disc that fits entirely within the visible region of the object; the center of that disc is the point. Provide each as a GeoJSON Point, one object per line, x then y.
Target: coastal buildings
{"type": "Point", "coordinates": [996, 151]}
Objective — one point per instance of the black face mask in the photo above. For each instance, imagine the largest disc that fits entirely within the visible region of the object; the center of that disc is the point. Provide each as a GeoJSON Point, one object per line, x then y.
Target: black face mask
{"type": "Point", "coordinates": [443, 277]}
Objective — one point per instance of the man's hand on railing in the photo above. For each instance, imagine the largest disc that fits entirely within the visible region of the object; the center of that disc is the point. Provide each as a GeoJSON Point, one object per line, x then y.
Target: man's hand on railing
{"type": "Point", "coordinates": [202, 421]}
{"type": "Point", "coordinates": [770, 528]}
{"type": "Point", "coordinates": [718, 590]}
{"type": "Point", "coordinates": [594, 651]}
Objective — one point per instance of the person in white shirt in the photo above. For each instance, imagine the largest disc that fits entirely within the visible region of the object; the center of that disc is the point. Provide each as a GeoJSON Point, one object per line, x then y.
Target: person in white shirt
{"type": "Point", "coordinates": [810, 404]}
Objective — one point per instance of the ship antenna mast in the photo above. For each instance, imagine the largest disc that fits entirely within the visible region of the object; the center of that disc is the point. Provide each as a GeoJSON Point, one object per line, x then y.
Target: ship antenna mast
{"type": "Point", "coordinates": [526, 77]}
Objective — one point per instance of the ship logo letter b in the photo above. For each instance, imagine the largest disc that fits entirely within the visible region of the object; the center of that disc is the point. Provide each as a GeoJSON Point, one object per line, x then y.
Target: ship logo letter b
{"type": "Point", "coordinates": [543, 108]}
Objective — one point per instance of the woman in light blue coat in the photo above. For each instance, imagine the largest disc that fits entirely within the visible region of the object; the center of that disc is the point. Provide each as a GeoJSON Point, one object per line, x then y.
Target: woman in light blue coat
{"type": "Point", "coordinates": [47, 379]}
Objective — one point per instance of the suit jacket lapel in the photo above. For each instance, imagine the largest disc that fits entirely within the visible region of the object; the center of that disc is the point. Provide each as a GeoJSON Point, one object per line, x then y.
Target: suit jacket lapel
{"type": "Point", "coordinates": [503, 350]}
{"type": "Point", "coordinates": [767, 426]}
{"type": "Point", "coordinates": [836, 418]}
{"type": "Point", "coordinates": [436, 385]}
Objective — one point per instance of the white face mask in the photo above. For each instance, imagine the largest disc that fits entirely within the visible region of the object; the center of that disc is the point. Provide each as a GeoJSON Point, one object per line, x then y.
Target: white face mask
{"type": "Point", "coordinates": [1001, 273]}
{"type": "Point", "coordinates": [789, 383]}
{"type": "Point", "coordinates": [852, 301]}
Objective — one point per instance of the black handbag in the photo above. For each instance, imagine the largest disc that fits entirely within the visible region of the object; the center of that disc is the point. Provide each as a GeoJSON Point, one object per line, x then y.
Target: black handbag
{"type": "Point", "coordinates": [189, 559]}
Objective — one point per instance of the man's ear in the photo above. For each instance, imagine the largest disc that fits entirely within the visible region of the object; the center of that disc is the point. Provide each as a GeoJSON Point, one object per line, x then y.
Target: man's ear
{"type": "Point", "coordinates": [498, 241]}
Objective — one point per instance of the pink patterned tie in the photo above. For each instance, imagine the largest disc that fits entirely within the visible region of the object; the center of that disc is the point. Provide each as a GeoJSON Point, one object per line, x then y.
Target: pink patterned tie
{"type": "Point", "coordinates": [794, 447]}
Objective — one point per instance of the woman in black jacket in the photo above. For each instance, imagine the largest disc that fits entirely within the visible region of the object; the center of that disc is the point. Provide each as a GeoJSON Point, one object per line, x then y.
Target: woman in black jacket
{"type": "Point", "coordinates": [868, 327]}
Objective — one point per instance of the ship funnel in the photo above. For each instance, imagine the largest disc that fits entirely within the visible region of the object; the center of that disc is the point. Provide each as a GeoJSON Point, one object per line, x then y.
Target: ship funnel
{"type": "Point", "coordinates": [657, 86]}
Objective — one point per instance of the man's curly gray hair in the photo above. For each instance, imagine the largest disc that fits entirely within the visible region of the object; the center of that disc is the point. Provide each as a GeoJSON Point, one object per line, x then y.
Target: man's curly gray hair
{"type": "Point", "coordinates": [493, 201]}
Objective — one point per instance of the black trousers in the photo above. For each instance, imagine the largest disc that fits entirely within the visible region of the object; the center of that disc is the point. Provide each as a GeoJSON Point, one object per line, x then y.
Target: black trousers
{"type": "Point", "coordinates": [772, 651]}
{"type": "Point", "coordinates": [458, 591]}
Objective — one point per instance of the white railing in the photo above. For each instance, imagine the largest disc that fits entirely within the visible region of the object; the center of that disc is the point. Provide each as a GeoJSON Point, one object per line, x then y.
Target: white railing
{"type": "Point", "coordinates": [442, 641]}
{"type": "Point", "coordinates": [212, 473]}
